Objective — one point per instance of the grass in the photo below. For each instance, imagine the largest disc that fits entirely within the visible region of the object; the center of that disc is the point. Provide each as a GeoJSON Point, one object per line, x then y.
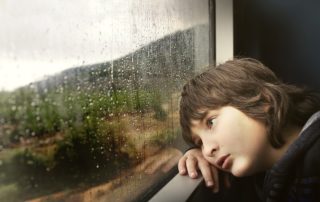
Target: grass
{"type": "Point", "coordinates": [9, 192]}
{"type": "Point", "coordinates": [93, 144]}
{"type": "Point", "coordinates": [164, 137]}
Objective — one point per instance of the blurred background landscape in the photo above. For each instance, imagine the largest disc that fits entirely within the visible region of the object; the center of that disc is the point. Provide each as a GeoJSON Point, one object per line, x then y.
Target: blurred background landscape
{"type": "Point", "coordinates": [88, 125]}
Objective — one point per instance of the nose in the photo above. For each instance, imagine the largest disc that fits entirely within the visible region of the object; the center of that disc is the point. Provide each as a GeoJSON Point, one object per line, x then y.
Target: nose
{"type": "Point", "coordinates": [209, 149]}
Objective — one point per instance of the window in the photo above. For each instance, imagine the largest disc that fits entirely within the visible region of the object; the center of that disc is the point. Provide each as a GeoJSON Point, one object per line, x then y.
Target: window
{"type": "Point", "coordinates": [89, 94]}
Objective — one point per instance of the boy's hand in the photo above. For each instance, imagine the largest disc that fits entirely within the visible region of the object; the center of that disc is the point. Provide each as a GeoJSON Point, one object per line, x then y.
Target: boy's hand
{"type": "Point", "coordinates": [192, 161]}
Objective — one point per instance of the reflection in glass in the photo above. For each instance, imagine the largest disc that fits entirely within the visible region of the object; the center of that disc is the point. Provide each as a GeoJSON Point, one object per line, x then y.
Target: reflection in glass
{"type": "Point", "coordinates": [106, 128]}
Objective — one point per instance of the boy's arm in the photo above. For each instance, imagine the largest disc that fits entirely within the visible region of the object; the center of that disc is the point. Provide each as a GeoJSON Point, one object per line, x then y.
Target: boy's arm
{"type": "Point", "coordinates": [192, 161]}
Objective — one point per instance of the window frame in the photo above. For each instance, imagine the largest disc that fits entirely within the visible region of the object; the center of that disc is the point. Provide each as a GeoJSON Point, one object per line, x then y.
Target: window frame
{"type": "Point", "coordinates": [221, 49]}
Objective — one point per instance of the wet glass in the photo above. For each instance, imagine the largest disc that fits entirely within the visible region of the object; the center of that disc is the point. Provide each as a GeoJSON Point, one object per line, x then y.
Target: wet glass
{"type": "Point", "coordinates": [89, 94]}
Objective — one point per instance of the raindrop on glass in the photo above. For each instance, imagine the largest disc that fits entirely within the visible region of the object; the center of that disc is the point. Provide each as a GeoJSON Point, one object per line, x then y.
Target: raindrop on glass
{"type": "Point", "coordinates": [13, 108]}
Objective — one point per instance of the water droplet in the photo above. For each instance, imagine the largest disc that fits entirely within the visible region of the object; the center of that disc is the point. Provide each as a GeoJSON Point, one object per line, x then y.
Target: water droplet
{"type": "Point", "coordinates": [29, 162]}
{"type": "Point", "coordinates": [31, 85]}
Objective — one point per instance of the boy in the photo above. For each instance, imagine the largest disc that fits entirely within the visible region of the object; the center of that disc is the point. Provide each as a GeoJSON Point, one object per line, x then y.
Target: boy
{"type": "Point", "coordinates": [244, 121]}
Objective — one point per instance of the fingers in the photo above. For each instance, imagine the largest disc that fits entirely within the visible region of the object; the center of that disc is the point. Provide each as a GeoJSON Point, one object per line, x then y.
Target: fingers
{"type": "Point", "coordinates": [188, 165]}
{"type": "Point", "coordinates": [193, 161]}
{"type": "Point", "coordinates": [205, 169]}
{"type": "Point", "coordinates": [215, 174]}
{"type": "Point", "coordinates": [227, 180]}
{"type": "Point", "coordinates": [191, 164]}
{"type": "Point", "coordinates": [210, 175]}
{"type": "Point", "coordinates": [182, 165]}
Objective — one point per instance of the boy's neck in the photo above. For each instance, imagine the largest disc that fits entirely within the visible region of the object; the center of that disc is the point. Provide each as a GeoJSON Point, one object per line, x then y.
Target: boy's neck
{"type": "Point", "coordinates": [290, 134]}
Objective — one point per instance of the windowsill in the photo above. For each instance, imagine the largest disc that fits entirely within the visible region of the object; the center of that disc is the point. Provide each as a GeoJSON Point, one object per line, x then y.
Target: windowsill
{"type": "Point", "coordinates": [178, 189]}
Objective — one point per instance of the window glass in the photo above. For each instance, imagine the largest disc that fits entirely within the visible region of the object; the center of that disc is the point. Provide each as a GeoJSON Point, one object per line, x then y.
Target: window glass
{"type": "Point", "coordinates": [89, 94]}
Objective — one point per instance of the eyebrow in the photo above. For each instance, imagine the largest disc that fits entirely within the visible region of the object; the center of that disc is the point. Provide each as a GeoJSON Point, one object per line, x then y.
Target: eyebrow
{"type": "Point", "coordinates": [205, 115]}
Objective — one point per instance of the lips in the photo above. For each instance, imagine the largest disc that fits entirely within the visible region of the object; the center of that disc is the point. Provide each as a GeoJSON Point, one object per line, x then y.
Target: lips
{"type": "Point", "coordinates": [221, 161]}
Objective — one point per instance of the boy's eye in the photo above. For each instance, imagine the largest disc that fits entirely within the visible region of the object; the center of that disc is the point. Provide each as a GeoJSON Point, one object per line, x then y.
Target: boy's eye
{"type": "Point", "coordinates": [211, 122]}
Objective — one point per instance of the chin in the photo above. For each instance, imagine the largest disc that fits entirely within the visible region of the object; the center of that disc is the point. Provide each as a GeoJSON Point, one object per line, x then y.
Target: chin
{"type": "Point", "coordinates": [240, 172]}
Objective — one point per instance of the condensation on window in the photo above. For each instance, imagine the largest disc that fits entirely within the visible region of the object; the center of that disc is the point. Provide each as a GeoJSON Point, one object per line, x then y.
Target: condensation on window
{"type": "Point", "coordinates": [89, 94]}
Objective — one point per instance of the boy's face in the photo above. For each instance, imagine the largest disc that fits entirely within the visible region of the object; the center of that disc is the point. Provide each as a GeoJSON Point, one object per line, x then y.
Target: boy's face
{"type": "Point", "coordinates": [232, 141]}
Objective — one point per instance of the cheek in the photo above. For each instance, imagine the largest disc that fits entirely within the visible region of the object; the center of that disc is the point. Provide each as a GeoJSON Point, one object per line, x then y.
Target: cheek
{"type": "Point", "coordinates": [230, 135]}
{"type": "Point", "coordinates": [241, 138]}
{"type": "Point", "coordinates": [249, 161]}
{"type": "Point", "coordinates": [253, 138]}
{"type": "Point", "coordinates": [257, 141]}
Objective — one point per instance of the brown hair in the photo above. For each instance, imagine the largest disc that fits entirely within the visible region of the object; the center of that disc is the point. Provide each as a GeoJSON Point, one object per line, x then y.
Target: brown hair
{"type": "Point", "coordinates": [251, 87]}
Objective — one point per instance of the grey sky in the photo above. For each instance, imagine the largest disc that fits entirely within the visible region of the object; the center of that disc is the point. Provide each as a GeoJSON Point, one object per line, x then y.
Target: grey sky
{"type": "Point", "coordinates": [39, 38]}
